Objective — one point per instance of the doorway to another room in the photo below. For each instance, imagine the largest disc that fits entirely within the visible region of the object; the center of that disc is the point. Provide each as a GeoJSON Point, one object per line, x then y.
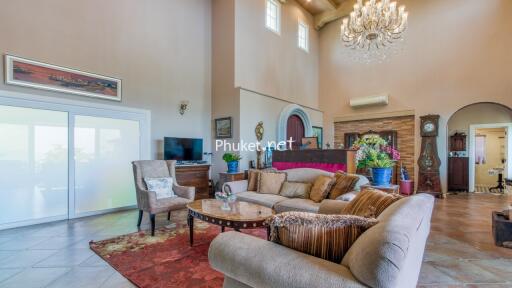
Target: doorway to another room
{"type": "Point", "coordinates": [480, 148]}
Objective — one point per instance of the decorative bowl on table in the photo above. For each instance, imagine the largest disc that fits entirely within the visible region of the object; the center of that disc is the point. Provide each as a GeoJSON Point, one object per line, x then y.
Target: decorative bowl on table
{"type": "Point", "coordinates": [226, 198]}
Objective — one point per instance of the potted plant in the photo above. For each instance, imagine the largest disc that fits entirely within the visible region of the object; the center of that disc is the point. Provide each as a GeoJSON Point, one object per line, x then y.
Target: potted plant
{"type": "Point", "coordinates": [232, 161]}
{"type": "Point", "coordinates": [373, 152]}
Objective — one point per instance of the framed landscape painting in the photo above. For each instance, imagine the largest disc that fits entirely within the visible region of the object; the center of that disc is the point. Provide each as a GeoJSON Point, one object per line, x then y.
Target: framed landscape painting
{"type": "Point", "coordinates": [29, 73]}
{"type": "Point", "coordinates": [223, 128]}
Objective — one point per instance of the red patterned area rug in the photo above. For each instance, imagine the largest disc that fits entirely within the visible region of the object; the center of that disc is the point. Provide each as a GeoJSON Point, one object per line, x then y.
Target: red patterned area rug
{"type": "Point", "coordinates": [165, 260]}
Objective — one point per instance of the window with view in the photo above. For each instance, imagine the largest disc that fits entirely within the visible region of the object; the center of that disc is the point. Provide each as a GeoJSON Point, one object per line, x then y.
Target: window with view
{"type": "Point", "coordinates": [303, 35]}
{"type": "Point", "coordinates": [273, 15]}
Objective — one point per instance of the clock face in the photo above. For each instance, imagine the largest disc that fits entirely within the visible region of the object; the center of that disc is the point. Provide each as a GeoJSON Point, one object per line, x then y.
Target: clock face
{"type": "Point", "coordinates": [429, 127]}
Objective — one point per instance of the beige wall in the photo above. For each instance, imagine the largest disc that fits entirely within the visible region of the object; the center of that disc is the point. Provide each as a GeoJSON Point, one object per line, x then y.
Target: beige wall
{"type": "Point", "coordinates": [272, 64]}
{"type": "Point", "coordinates": [225, 97]}
{"type": "Point", "coordinates": [456, 52]}
{"type": "Point", "coordinates": [257, 72]}
{"type": "Point", "coordinates": [160, 49]}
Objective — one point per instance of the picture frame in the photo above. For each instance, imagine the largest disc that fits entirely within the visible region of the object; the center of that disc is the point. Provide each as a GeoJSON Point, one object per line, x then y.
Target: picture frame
{"type": "Point", "coordinates": [39, 75]}
{"type": "Point", "coordinates": [309, 143]}
{"type": "Point", "coordinates": [318, 132]}
{"type": "Point", "coordinates": [223, 128]}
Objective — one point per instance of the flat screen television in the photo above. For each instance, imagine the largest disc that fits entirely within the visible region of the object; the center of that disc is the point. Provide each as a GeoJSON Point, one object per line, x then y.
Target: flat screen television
{"type": "Point", "coordinates": [183, 149]}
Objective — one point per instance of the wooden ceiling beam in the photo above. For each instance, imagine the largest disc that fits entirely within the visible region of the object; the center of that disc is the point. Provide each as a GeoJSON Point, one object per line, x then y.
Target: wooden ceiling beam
{"type": "Point", "coordinates": [341, 11]}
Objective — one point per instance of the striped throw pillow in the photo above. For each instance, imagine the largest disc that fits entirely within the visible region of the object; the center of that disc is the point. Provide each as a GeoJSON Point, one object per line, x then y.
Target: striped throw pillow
{"type": "Point", "coordinates": [325, 236]}
{"type": "Point", "coordinates": [370, 203]}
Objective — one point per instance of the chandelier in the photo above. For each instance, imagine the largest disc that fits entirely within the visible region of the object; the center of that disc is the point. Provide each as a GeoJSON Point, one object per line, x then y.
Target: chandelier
{"type": "Point", "coordinates": [374, 27]}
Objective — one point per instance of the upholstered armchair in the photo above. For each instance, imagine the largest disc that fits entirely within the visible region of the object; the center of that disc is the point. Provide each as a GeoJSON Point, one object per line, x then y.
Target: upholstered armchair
{"type": "Point", "coordinates": [147, 200]}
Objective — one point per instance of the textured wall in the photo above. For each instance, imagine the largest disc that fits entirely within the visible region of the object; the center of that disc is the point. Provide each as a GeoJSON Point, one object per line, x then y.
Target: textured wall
{"type": "Point", "coordinates": [403, 125]}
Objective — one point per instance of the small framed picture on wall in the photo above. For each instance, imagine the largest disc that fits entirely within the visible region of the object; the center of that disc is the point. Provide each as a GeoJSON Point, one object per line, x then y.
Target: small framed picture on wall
{"type": "Point", "coordinates": [223, 128]}
{"type": "Point", "coordinates": [318, 132]}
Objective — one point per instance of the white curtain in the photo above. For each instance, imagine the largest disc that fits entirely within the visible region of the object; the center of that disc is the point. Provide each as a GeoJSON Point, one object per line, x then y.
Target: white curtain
{"type": "Point", "coordinates": [480, 149]}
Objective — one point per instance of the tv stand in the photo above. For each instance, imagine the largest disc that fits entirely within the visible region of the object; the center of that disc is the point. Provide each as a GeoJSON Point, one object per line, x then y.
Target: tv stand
{"type": "Point", "coordinates": [195, 175]}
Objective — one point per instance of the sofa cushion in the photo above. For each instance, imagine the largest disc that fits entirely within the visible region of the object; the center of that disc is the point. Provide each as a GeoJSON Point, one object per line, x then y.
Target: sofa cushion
{"type": "Point", "coordinates": [270, 182]}
{"type": "Point", "coordinates": [297, 204]}
{"type": "Point", "coordinates": [308, 175]}
{"type": "Point", "coordinates": [252, 178]}
{"type": "Point", "coordinates": [370, 202]}
{"type": "Point", "coordinates": [390, 254]}
{"type": "Point", "coordinates": [267, 200]}
{"type": "Point", "coordinates": [325, 236]}
{"type": "Point", "coordinates": [344, 183]}
{"type": "Point", "coordinates": [295, 190]}
{"type": "Point", "coordinates": [321, 188]}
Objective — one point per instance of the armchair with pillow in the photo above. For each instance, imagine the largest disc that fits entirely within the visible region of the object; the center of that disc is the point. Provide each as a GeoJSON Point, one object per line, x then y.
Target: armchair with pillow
{"type": "Point", "coordinates": [157, 189]}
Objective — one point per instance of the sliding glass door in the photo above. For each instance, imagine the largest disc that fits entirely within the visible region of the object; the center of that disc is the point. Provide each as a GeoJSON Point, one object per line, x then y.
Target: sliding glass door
{"type": "Point", "coordinates": [104, 149]}
{"type": "Point", "coordinates": [33, 164]}
{"type": "Point", "coordinates": [64, 159]}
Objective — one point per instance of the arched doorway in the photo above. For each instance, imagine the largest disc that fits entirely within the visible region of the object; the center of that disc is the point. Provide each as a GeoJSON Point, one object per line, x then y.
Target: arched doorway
{"type": "Point", "coordinates": [299, 114]}
{"type": "Point", "coordinates": [295, 131]}
{"type": "Point", "coordinates": [475, 148]}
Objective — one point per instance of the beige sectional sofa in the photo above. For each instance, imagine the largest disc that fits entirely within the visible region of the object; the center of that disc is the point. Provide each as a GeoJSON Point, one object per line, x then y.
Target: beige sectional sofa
{"type": "Point", "coordinates": [282, 204]}
{"type": "Point", "coordinates": [388, 255]}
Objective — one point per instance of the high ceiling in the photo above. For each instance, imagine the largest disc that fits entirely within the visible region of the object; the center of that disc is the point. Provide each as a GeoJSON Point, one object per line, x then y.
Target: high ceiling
{"type": "Point", "coordinates": [326, 11]}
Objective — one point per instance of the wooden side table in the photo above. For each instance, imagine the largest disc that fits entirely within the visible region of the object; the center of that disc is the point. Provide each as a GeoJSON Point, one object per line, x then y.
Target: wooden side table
{"type": "Point", "coordinates": [230, 177]}
{"type": "Point", "coordinates": [391, 189]}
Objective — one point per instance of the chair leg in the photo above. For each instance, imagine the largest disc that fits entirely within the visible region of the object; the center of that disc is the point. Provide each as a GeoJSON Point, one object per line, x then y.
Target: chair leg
{"type": "Point", "coordinates": [140, 218]}
{"type": "Point", "coordinates": [169, 216]}
{"type": "Point", "coordinates": [152, 218]}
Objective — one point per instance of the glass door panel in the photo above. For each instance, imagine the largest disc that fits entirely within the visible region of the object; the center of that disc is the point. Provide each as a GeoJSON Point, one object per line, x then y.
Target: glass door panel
{"type": "Point", "coordinates": [104, 149]}
{"type": "Point", "coordinates": [33, 164]}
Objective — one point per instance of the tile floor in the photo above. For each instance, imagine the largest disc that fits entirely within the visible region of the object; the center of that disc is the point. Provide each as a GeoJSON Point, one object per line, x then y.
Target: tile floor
{"type": "Point", "coordinates": [460, 251]}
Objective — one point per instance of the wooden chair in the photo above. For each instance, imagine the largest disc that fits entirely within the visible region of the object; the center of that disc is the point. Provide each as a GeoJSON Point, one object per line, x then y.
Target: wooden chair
{"type": "Point", "coordinates": [147, 201]}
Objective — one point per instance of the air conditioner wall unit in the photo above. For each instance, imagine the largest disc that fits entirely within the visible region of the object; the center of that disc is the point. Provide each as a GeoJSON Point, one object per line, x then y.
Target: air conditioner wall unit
{"type": "Point", "coordinates": [369, 101]}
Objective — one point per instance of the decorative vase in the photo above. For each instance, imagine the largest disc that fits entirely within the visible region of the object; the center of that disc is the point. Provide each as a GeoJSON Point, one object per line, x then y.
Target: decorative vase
{"type": "Point", "coordinates": [225, 205]}
{"type": "Point", "coordinates": [381, 176]}
{"type": "Point", "coordinates": [232, 167]}
{"type": "Point", "coordinates": [226, 201]}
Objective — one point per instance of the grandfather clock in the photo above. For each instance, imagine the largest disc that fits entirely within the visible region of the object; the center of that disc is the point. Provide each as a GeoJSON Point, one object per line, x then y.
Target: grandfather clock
{"type": "Point", "coordinates": [428, 179]}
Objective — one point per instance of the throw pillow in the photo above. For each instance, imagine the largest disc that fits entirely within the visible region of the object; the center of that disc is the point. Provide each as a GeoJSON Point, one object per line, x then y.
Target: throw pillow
{"type": "Point", "coordinates": [370, 201]}
{"type": "Point", "coordinates": [270, 182]}
{"type": "Point", "coordinates": [161, 186]}
{"type": "Point", "coordinates": [252, 178]}
{"type": "Point", "coordinates": [321, 188]}
{"type": "Point", "coordinates": [343, 184]}
{"type": "Point", "coordinates": [325, 236]}
{"type": "Point", "coordinates": [295, 190]}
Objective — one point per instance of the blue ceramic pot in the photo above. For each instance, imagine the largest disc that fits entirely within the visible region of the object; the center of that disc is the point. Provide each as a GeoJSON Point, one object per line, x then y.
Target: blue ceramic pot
{"type": "Point", "coordinates": [232, 167]}
{"type": "Point", "coordinates": [381, 176]}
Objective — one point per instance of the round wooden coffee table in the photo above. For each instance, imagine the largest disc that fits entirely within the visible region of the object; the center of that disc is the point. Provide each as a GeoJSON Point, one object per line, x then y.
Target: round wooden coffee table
{"type": "Point", "coordinates": [243, 215]}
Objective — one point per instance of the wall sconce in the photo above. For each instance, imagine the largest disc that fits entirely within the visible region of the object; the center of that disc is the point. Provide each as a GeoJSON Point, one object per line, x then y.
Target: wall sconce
{"type": "Point", "coordinates": [183, 107]}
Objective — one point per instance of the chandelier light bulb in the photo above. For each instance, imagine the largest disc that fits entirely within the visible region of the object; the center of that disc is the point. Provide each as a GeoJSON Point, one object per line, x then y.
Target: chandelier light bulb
{"type": "Point", "coordinates": [374, 26]}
